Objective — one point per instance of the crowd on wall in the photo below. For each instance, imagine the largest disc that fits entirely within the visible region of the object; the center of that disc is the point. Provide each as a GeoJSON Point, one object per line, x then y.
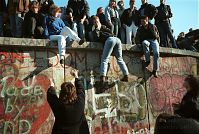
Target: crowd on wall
{"type": "Point", "coordinates": [26, 18]}
{"type": "Point", "coordinates": [112, 26]}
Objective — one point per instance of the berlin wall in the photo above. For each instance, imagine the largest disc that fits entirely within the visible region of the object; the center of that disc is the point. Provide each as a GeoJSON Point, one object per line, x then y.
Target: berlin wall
{"type": "Point", "coordinates": [26, 65]}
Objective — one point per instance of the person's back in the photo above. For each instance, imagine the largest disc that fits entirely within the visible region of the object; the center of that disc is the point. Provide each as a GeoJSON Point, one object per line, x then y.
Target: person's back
{"type": "Point", "coordinates": [186, 114]}
{"type": "Point", "coordinates": [68, 109]}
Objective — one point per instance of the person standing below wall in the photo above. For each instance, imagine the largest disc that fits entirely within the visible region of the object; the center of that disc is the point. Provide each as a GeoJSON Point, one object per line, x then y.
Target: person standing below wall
{"type": "Point", "coordinates": [17, 10]}
{"type": "Point", "coordinates": [112, 17]}
{"type": "Point", "coordinates": [163, 24]}
{"type": "Point", "coordinates": [148, 36]}
{"type": "Point", "coordinates": [56, 30]}
{"type": "Point", "coordinates": [68, 109]}
{"type": "Point", "coordinates": [81, 14]}
{"type": "Point", "coordinates": [130, 21]}
{"type": "Point", "coordinates": [186, 113]}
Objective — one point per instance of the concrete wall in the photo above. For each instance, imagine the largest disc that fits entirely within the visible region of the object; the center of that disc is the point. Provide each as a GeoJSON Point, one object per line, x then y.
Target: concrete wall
{"type": "Point", "coordinates": [27, 64]}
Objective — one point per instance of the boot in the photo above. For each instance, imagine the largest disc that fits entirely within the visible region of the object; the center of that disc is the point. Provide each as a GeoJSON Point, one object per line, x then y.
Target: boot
{"type": "Point", "coordinates": [125, 78]}
{"type": "Point", "coordinates": [102, 78]}
{"type": "Point", "coordinates": [154, 73]}
{"type": "Point", "coordinates": [61, 61]}
{"type": "Point", "coordinates": [103, 85]}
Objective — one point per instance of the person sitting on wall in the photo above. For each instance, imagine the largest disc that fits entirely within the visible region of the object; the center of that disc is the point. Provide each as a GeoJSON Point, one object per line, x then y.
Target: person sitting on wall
{"type": "Point", "coordinates": [186, 114]}
{"type": "Point", "coordinates": [55, 29]}
{"type": "Point", "coordinates": [32, 25]}
{"type": "Point", "coordinates": [68, 109]}
{"type": "Point", "coordinates": [69, 20]}
{"type": "Point", "coordinates": [189, 40]}
{"type": "Point", "coordinates": [147, 35]}
{"type": "Point", "coordinates": [111, 45]}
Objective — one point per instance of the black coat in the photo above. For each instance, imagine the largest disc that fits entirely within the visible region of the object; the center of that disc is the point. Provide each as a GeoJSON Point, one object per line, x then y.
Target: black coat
{"type": "Point", "coordinates": [101, 35]}
{"type": "Point", "coordinates": [189, 106]}
{"type": "Point", "coordinates": [3, 7]}
{"type": "Point", "coordinates": [68, 118]}
{"type": "Point", "coordinates": [128, 16]}
{"type": "Point", "coordinates": [149, 33]}
{"type": "Point", "coordinates": [80, 8]}
{"type": "Point", "coordinates": [149, 10]}
{"type": "Point", "coordinates": [29, 26]}
{"type": "Point", "coordinates": [164, 13]}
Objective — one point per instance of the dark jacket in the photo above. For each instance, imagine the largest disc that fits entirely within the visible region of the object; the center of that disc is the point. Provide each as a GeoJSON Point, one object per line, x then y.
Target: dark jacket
{"type": "Point", "coordinates": [28, 26]}
{"type": "Point", "coordinates": [45, 6]}
{"type": "Point", "coordinates": [102, 34]}
{"type": "Point", "coordinates": [102, 19]}
{"type": "Point", "coordinates": [80, 8]}
{"type": "Point", "coordinates": [3, 7]}
{"type": "Point", "coordinates": [149, 10]}
{"type": "Point", "coordinates": [189, 106]}
{"type": "Point", "coordinates": [128, 16]}
{"type": "Point", "coordinates": [68, 118]}
{"type": "Point", "coordinates": [149, 33]}
{"type": "Point", "coordinates": [164, 13]}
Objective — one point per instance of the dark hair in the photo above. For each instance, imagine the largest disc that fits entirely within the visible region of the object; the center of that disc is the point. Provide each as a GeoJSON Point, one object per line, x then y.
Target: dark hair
{"type": "Point", "coordinates": [69, 10]}
{"type": "Point", "coordinates": [68, 93]}
{"type": "Point", "coordinates": [143, 17]}
{"type": "Point", "coordinates": [99, 9]}
{"type": "Point", "coordinates": [120, 2]}
{"type": "Point", "coordinates": [34, 4]}
{"type": "Point", "coordinates": [193, 82]}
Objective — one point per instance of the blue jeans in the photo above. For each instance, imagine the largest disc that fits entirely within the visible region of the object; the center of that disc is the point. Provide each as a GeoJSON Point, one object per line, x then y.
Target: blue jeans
{"type": "Point", "coordinates": [156, 53]}
{"type": "Point", "coordinates": [112, 44]}
{"type": "Point", "coordinates": [81, 30]}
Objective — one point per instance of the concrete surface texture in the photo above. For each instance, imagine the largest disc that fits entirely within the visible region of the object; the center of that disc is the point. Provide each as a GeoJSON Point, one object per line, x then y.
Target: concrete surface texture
{"type": "Point", "coordinates": [26, 65]}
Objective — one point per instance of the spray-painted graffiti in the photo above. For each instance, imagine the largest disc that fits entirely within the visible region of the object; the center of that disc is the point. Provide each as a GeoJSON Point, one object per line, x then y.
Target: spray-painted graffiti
{"type": "Point", "coordinates": [164, 91]}
{"type": "Point", "coordinates": [24, 79]}
{"type": "Point", "coordinates": [22, 101]}
{"type": "Point", "coordinates": [118, 109]}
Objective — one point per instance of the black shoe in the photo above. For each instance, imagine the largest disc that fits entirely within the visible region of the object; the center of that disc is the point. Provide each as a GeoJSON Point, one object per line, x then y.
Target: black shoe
{"type": "Point", "coordinates": [61, 61]}
{"type": "Point", "coordinates": [81, 41]}
{"type": "Point", "coordinates": [154, 73]}
{"type": "Point", "coordinates": [146, 63]}
{"type": "Point", "coordinates": [125, 78]}
{"type": "Point", "coordinates": [102, 86]}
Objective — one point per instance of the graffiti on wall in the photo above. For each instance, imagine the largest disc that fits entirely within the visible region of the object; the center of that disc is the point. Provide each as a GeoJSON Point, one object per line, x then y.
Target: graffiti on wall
{"type": "Point", "coordinates": [121, 109]}
{"type": "Point", "coordinates": [22, 101]}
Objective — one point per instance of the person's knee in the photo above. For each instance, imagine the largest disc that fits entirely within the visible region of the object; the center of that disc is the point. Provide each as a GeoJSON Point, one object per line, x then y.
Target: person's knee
{"type": "Point", "coordinates": [145, 43]}
{"type": "Point", "coordinates": [156, 54]}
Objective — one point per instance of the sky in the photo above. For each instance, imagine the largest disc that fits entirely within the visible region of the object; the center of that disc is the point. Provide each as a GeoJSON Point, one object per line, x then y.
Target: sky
{"type": "Point", "coordinates": [185, 12]}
